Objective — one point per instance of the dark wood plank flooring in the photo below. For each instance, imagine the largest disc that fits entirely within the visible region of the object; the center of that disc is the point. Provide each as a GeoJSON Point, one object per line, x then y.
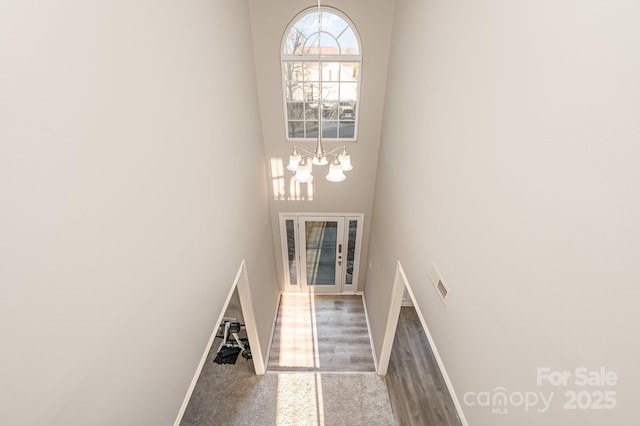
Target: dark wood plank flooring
{"type": "Point", "coordinates": [321, 333]}
{"type": "Point", "coordinates": [418, 393]}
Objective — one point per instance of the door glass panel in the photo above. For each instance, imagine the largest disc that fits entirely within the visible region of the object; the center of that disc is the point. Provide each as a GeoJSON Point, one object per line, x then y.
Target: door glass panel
{"type": "Point", "coordinates": [351, 251]}
{"type": "Point", "coordinates": [291, 253]}
{"type": "Point", "coordinates": [321, 238]}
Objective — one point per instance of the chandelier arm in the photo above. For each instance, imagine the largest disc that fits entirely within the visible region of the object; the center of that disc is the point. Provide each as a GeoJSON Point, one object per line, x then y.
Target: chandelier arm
{"type": "Point", "coordinates": [334, 152]}
{"type": "Point", "coordinates": [304, 152]}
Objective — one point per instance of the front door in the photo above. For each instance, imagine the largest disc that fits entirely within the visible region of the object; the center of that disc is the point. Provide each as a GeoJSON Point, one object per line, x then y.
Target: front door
{"type": "Point", "coordinates": [321, 253]}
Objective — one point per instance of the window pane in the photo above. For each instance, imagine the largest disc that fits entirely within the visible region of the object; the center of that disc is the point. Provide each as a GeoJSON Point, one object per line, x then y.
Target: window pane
{"type": "Point", "coordinates": [330, 92]}
{"type": "Point", "coordinates": [311, 44]}
{"type": "Point", "coordinates": [346, 130]}
{"type": "Point", "coordinates": [291, 253]}
{"type": "Point", "coordinates": [308, 24]}
{"type": "Point", "coordinates": [351, 250]}
{"type": "Point", "coordinates": [300, 33]}
{"type": "Point", "coordinates": [292, 76]}
{"type": "Point", "coordinates": [347, 113]}
{"type": "Point", "coordinates": [311, 71]}
{"type": "Point", "coordinates": [311, 110]}
{"type": "Point", "coordinates": [341, 31]}
{"type": "Point", "coordinates": [294, 92]}
{"type": "Point", "coordinates": [292, 71]}
{"type": "Point", "coordinates": [296, 129]}
{"type": "Point", "coordinates": [321, 238]}
{"type": "Point", "coordinates": [328, 44]}
{"type": "Point", "coordinates": [348, 93]}
{"type": "Point", "coordinates": [327, 110]}
{"type": "Point", "coordinates": [311, 129]}
{"type": "Point", "coordinates": [294, 43]}
{"type": "Point", "coordinates": [311, 92]}
{"type": "Point", "coordinates": [329, 129]}
{"type": "Point", "coordinates": [349, 71]}
{"type": "Point", "coordinates": [331, 71]}
{"type": "Point", "coordinates": [333, 24]}
{"type": "Point", "coordinates": [348, 43]}
{"type": "Point", "coordinates": [294, 110]}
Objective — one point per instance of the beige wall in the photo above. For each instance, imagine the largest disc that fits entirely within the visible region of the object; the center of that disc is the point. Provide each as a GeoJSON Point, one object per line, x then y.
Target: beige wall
{"type": "Point", "coordinates": [509, 158]}
{"type": "Point", "coordinates": [123, 215]}
{"type": "Point", "coordinates": [355, 195]}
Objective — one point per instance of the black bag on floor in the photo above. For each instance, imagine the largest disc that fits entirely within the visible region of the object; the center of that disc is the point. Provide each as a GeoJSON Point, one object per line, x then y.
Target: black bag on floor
{"type": "Point", "coordinates": [227, 355]}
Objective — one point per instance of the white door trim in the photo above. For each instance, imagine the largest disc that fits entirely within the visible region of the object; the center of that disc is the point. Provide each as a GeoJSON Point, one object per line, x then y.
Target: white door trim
{"type": "Point", "coordinates": [246, 303]}
{"type": "Point", "coordinates": [399, 284]}
{"type": "Point", "coordinates": [300, 274]}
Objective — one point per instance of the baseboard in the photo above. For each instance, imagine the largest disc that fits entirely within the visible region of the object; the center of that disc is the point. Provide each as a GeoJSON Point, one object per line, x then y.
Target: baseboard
{"type": "Point", "coordinates": [439, 361]}
{"type": "Point", "coordinates": [204, 356]}
{"type": "Point", "coordinates": [366, 315]}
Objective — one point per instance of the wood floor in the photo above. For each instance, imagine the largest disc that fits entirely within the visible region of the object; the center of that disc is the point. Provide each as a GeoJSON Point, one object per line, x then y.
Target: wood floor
{"type": "Point", "coordinates": [321, 333]}
{"type": "Point", "coordinates": [417, 390]}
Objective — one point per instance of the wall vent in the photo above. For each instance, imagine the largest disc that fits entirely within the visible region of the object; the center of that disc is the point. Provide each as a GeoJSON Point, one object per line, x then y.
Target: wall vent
{"type": "Point", "coordinates": [442, 289]}
{"type": "Point", "coordinates": [439, 283]}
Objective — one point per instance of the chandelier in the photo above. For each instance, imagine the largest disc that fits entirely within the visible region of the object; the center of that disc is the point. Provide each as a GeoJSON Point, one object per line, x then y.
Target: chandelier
{"type": "Point", "coordinates": [301, 161]}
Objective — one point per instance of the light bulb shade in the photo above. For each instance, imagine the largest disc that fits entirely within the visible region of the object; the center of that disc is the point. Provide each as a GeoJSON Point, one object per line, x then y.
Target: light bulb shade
{"type": "Point", "coordinates": [345, 160]}
{"type": "Point", "coordinates": [335, 172]}
{"type": "Point", "coordinates": [303, 174]}
{"type": "Point", "coordinates": [294, 160]}
{"type": "Point", "coordinates": [322, 161]}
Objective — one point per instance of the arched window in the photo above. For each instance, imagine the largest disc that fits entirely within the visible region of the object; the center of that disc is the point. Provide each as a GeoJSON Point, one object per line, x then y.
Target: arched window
{"type": "Point", "coordinates": [321, 65]}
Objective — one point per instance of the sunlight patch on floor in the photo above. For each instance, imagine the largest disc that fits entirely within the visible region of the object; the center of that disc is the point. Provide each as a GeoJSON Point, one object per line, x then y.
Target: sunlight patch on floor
{"type": "Point", "coordinates": [299, 340]}
{"type": "Point", "coordinates": [300, 398]}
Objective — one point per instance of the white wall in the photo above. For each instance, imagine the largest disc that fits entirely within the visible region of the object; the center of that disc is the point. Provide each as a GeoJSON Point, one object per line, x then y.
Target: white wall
{"type": "Point", "coordinates": [372, 19]}
{"type": "Point", "coordinates": [509, 158]}
{"type": "Point", "coordinates": [123, 214]}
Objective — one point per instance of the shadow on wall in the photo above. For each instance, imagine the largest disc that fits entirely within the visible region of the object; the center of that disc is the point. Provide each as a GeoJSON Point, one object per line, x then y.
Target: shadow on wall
{"type": "Point", "coordinates": [294, 191]}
